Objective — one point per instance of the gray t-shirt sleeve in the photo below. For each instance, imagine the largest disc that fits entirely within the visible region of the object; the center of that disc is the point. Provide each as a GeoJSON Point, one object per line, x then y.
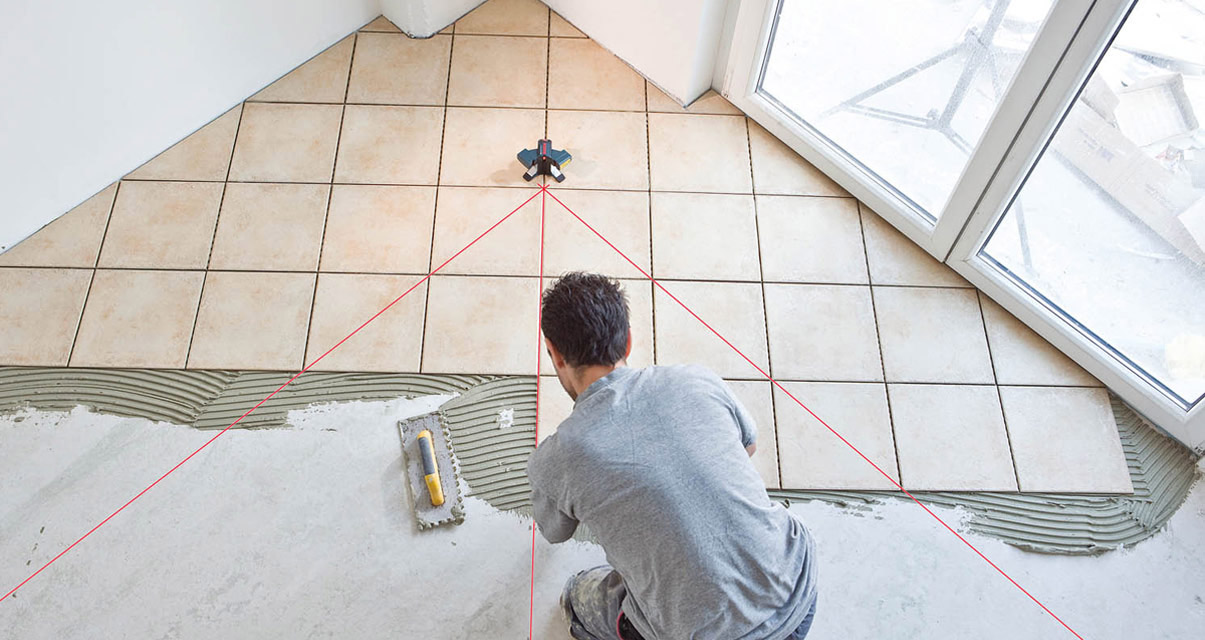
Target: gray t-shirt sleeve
{"type": "Point", "coordinates": [555, 524]}
{"type": "Point", "coordinates": [743, 420]}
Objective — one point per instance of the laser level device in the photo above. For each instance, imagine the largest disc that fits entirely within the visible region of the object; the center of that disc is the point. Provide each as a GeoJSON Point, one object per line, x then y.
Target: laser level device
{"type": "Point", "coordinates": [430, 468]}
{"type": "Point", "coordinates": [544, 160]}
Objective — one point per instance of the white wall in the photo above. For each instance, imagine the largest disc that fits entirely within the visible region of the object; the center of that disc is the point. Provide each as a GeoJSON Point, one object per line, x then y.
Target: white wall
{"type": "Point", "coordinates": [90, 90]}
{"type": "Point", "coordinates": [425, 18]}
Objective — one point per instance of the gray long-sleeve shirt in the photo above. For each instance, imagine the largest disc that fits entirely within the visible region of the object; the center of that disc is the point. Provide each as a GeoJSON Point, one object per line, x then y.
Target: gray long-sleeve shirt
{"type": "Point", "coordinates": [653, 461]}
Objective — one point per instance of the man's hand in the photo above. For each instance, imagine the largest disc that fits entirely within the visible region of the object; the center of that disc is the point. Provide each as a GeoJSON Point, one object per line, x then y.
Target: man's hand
{"type": "Point", "coordinates": [752, 449]}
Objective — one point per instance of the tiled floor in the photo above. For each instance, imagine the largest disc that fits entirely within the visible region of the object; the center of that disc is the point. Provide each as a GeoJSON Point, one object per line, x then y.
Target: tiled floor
{"type": "Point", "coordinates": [262, 239]}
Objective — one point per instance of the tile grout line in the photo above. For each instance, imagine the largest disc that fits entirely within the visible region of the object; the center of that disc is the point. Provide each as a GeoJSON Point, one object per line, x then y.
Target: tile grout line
{"type": "Point", "coordinates": [648, 172]}
{"type": "Point", "coordinates": [1012, 454]}
{"type": "Point", "coordinates": [79, 323]}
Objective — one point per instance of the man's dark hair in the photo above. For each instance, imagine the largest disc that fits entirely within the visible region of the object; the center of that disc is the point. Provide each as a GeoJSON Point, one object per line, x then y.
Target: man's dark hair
{"type": "Point", "coordinates": [585, 316]}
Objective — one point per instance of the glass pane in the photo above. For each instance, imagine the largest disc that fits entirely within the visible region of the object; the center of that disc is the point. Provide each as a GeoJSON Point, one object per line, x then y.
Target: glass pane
{"type": "Point", "coordinates": [1110, 225]}
{"type": "Point", "coordinates": [904, 88]}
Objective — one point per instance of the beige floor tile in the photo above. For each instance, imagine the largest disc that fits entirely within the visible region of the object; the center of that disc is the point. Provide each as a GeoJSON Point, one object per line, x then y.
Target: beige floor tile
{"type": "Point", "coordinates": [40, 310]}
{"type": "Point", "coordinates": [705, 236]}
{"type": "Point", "coordinates": [894, 259]}
{"type": "Point", "coordinates": [381, 24]}
{"type": "Point", "coordinates": [699, 153]}
{"type": "Point", "coordinates": [203, 155]}
{"type": "Point", "coordinates": [1065, 440]}
{"type": "Point", "coordinates": [622, 217]}
{"type": "Point", "coordinates": [163, 225]}
{"type": "Point", "coordinates": [498, 71]}
{"type": "Point", "coordinates": [777, 169]}
{"type": "Point", "coordinates": [393, 341]}
{"type": "Point", "coordinates": [138, 319]}
{"type": "Point", "coordinates": [506, 17]}
{"type": "Point", "coordinates": [1023, 357]}
{"type": "Point", "coordinates": [583, 75]}
{"type": "Point", "coordinates": [807, 239]}
{"type": "Point", "coordinates": [732, 309]}
{"type": "Point", "coordinates": [710, 103]}
{"type": "Point", "coordinates": [555, 406]}
{"type": "Point", "coordinates": [951, 438]}
{"type": "Point", "coordinates": [480, 146]}
{"type": "Point", "coordinates": [757, 400]}
{"type": "Point", "coordinates": [270, 227]}
{"type": "Point", "coordinates": [932, 335]}
{"type": "Point", "coordinates": [822, 332]}
{"type": "Point", "coordinates": [71, 240]}
{"type": "Point", "coordinates": [390, 145]}
{"type": "Point", "coordinates": [481, 325]}
{"type": "Point", "coordinates": [814, 458]}
{"type": "Point", "coordinates": [391, 68]}
{"type": "Point", "coordinates": [252, 321]}
{"type": "Point", "coordinates": [379, 229]}
{"type": "Point", "coordinates": [640, 319]}
{"type": "Point", "coordinates": [608, 148]}
{"type": "Point", "coordinates": [464, 213]}
{"type": "Point", "coordinates": [560, 28]}
{"type": "Point", "coordinates": [322, 78]}
{"type": "Point", "coordinates": [286, 143]}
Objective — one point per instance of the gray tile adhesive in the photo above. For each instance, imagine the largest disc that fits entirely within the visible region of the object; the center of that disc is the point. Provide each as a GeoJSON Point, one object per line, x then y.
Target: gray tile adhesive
{"type": "Point", "coordinates": [492, 460]}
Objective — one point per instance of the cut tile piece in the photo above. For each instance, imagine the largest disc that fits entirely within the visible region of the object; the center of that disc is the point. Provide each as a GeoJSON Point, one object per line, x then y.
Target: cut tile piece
{"type": "Point", "coordinates": [814, 458]}
{"type": "Point", "coordinates": [640, 320]}
{"type": "Point", "coordinates": [286, 143]}
{"type": "Point", "coordinates": [699, 153]}
{"type": "Point", "coordinates": [560, 28]}
{"type": "Point", "coordinates": [1065, 440]}
{"type": "Point", "coordinates": [464, 213]}
{"type": "Point", "coordinates": [821, 332]}
{"type": "Point", "coordinates": [40, 310]}
{"type": "Point", "coordinates": [203, 155]}
{"type": "Point", "coordinates": [481, 325]}
{"type": "Point", "coordinates": [608, 148]}
{"type": "Point", "coordinates": [755, 397]}
{"type": "Point", "coordinates": [622, 217]}
{"type": "Point", "coordinates": [71, 240]}
{"type": "Point", "coordinates": [391, 68]}
{"type": "Point", "coordinates": [480, 146]}
{"type": "Point", "coordinates": [704, 236]}
{"type": "Point", "coordinates": [498, 71]}
{"type": "Point", "coordinates": [932, 335]}
{"type": "Point", "coordinates": [710, 103]}
{"type": "Point", "coordinates": [392, 342]}
{"type": "Point", "coordinates": [270, 227]}
{"type": "Point", "coordinates": [506, 17]}
{"type": "Point", "coordinates": [951, 438]}
{"type": "Point", "coordinates": [583, 75]}
{"type": "Point", "coordinates": [1022, 357]}
{"type": "Point", "coordinates": [555, 406]}
{"type": "Point", "coordinates": [732, 309]}
{"type": "Point", "coordinates": [894, 259]}
{"type": "Point", "coordinates": [252, 321]}
{"type": "Point", "coordinates": [389, 145]}
{"type": "Point", "coordinates": [379, 229]}
{"type": "Point", "coordinates": [777, 169]}
{"type": "Point", "coordinates": [138, 319]}
{"type": "Point", "coordinates": [322, 78]}
{"type": "Point", "coordinates": [162, 225]}
{"type": "Point", "coordinates": [381, 24]}
{"type": "Point", "coordinates": [811, 240]}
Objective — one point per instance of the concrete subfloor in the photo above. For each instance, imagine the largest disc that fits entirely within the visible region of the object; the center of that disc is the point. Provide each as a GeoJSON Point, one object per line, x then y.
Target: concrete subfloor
{"type": "Point", "coordinates": [307, 531]}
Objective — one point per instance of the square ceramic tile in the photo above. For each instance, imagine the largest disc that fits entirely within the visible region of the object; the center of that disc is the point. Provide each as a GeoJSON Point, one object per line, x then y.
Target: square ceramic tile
{"type": "Point", "coordinates": [811, 240]}
{"type": "Point", "coordinates": [379, 229]}
{"type": "Point", "coordinates": [138, 319]}
{"type": "Point", "coordinates": [286, 143]}
{"type": "Point", "coordinates": [252, 321]}
{"type": "Point", "coordinates": [71, 240]}
{"type": "Point", "coordinates": [390, 145]}
{"type": "Point", "coordinates": [894, 259]}
{"type": "Point", "coordinates": [391, 68]}
{"type": "Point", "coordinates": [481, 325]}
{"type": "Point", "coordinates": [555, 406]}
{"type": "Point", "coordinates": [622, 217]}
{"type": "Point", "coordinates": [322, 78]}
{"type": "Point", "coordinates": [705, 236]}
{"type": "Point", "coordinates": [1065, 440]}
{"type": "Point", "coordinates": [498, 71]}
{"type": "Point", "coordinates": [951, 438]}
{"type": "Point", "coordinates": [560, 28]}
{"type": "Point", "coordinates": [932, 335]}
{"type": "Point", "coordinates": [203, 156]}
{"type": "Point", "coordinates": [506, 17]}
{"type": "Point", "coordinates": [583, 75]}
{"type": "Point", "coordinates": [709, 103]}
{"type": "Point", "coordinates": [814, 458]}
{"type": "Point", "coordinates": [640, 321]}
{"type": "Point", "coordinates": [480, 146]}
{"type": "Point", "coordinates": [393, 341]}
{"type": "Point", "coordinates": [464, 213]}
{"type": "Point", "coordinates": [777, 169]}
{"type": "Point", "coordinates": [270, 227]}
{"type": "Point", "coordinates": [1024, 357]}
{"type": "Point", "coordinates": [699, 153]}
{"type": "Point", "coordinates": [821, 332]}
{"type": "Point", "coordinates": [608, 148]}
{"type": "Point", "coordinates": [381, 24]}
{"type": "Point", "coordinates": [734, 310]}
{"type": "Point", "coordinates": [40, 310]}
{"type": "Point", "coordinates": [166, 225]}
{"type": "Point", "coordinates": [756, 398]}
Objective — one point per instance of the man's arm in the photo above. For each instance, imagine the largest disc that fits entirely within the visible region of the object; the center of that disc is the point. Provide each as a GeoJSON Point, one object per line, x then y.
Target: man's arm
{"type": "Point", "coordinates": [554, 524]}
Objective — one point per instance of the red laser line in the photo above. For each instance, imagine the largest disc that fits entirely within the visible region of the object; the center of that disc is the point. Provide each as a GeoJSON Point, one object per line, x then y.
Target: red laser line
{"type": "Point", "coordinates": [531, 613]}
{"type": "Point", "coordinates": [269, 397]}
{"type": "Point", "coordinates": [805, 408]}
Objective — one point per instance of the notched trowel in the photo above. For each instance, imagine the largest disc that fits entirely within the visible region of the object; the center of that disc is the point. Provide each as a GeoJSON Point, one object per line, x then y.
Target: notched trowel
{"type": "Point", "coordinates": [432, 470]}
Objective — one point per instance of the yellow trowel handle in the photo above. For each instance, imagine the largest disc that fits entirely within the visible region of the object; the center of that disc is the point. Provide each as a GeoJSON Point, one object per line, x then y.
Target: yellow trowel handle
{"type": "Point", "coordinates": [430, 469]}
